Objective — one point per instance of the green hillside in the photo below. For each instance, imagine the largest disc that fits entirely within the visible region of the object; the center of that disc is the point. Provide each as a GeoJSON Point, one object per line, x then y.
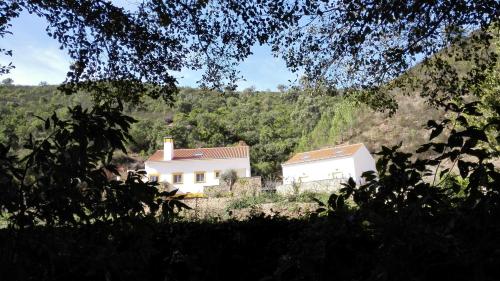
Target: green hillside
{"type": "Point", "coordinates": [274, 124]}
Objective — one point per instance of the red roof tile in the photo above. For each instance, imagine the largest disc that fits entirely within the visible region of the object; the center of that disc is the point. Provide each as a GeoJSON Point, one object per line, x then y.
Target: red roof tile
{"type": "Point", "coordinates": [326, 153]}
{"type": "Point", "coordinates": [205, 153]}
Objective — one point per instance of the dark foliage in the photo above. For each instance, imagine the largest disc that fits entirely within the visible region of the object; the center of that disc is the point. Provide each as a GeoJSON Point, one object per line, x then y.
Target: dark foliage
{"type": "Point", "coordinates": [67, 179]}
{"type": "Point", "coordinates": [368, 44]}
{"type": "Point", "coordinates": [398, 226]}
{"type": "Point", "coordinates": [423, 230]}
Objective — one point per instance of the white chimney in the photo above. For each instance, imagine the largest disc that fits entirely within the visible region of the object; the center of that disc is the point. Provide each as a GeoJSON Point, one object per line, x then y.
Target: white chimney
{"type": "Point", "coordinates": [168, 148]}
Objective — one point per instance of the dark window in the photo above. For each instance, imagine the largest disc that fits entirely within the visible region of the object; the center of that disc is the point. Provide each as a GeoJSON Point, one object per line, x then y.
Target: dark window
{"type": "Point", "coordinates": [200, 177]}
{"type": "Point", "coordinates": [177, 178]}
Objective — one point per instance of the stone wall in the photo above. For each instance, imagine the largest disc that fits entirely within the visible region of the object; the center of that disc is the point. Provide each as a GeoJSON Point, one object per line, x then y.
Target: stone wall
{"type": "Point", "coordinates": [242, 187]}
{"type": "Point", "coordinates": [321, 186]}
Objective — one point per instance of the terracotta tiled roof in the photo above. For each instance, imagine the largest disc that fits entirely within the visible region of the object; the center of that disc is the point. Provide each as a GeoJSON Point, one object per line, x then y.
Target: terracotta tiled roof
{"type": "Point", "coordinates": [326, 153]}
{"type": "Point", "coordinates": [204, 153]}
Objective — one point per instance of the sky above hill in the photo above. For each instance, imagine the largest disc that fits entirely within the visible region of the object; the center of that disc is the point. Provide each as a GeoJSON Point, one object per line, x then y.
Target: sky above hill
{"type": "Point", "coordinates": [37, 58]}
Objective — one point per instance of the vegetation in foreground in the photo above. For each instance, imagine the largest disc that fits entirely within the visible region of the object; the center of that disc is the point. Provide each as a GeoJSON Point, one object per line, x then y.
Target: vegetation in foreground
{"type": "Point", "coordinates": [423, 229]}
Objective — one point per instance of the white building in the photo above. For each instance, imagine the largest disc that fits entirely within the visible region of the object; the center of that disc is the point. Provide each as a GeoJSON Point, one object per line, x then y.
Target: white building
{"type": "Point", "coordinates": [190, 170]}
{"type": "Point", "coordinates": [340, 162]}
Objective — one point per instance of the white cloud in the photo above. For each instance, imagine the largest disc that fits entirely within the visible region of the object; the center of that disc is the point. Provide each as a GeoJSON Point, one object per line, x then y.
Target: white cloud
{"type": "Point", "coordinates": [35, 55]}
{"type": "Point", "coordinates": [33, 65]}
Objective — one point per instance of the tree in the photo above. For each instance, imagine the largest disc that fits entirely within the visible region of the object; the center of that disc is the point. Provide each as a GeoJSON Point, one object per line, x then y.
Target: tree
{"type": "Point", "coordinates": [114, 50]}
{"type": "Point", "coordinates": [7, 81]}
{"type": "Point", "coordinates": [281, 88]}
{"type": "Point", "coordinates": [229, 177]}
{"type": "Point", "coordinates": [250, 90]}
{"type": "Point", "coordinates": [346, 44]}
{"type": "Point", "coordinates": [366, 44]}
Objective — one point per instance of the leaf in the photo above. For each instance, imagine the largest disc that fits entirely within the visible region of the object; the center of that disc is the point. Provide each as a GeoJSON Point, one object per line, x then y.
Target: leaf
{"type": "Point", "coordinates": [385, 151]}
{"type": "Point", "coordinates": [432, 124]}
{"type": "Point", "coordinates": [54, 118]}
{"type": "Point", "coordinates": [481, 154]}
{"type": "Point", "coordinates": [369, 175]}
{"type": "Point", "coordinates": [340, 202]}
{"type": "Point", "coordinates": [169, 193]}
{"type": "Point", "coordinates": [455, 140]}
{"type": "Point", "coordinates": [47, 124]}
{"type": "Point", "coordinates": [420, 164]}
{"type": "Point", "coordinates": [424, 148]}
{"type": "Point", "coordinates": [318, 201]}
{"type": "Point", "coordinates": [436, 132]}
{"type": "Point", "coordinates": [462, 121]}
{"type": "Point", "coordinates": [320, 210]}
{"type": "Point", "coordinates": [463, 167]}
{"type": "Point", "coordinates": [443, 172]}
{"type": "Point", "coordinates": [438, 147]}
{"type": "Point", "coordinates": [469, 144]}
{"type": "Point", "coordinates": [180, 205]}
{"type": "Point", "coordinates": [351, 182]}
{"type": "Point", "coordinates": [453, 107]}
{"type": "Point", "coordinates": [479, 134]}
{"type": "Point", "coordinates": [471, 109]}
{"type": "Point", "coordinates": [332, 201]}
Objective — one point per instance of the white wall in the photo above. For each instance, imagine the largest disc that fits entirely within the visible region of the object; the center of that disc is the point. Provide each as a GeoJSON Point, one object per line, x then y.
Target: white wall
{"type": "Point", "coordinates": [363, 161]}
{"type": "Point", "coordinates": [321, 186]}
{"type": "Point", "coordinates": [165, 169]}
{"type": "Point", "coordinates": [318, 170]}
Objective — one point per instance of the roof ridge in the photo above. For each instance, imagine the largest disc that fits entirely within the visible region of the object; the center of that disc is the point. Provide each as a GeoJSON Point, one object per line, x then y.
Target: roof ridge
{"type": "Point", "coordinates": [227, 152]}
{"type": "Point", "coordinates": [327, 148]}
{"type": "Point", "coordinates": [346, 150]}
{"type": "Point", "coordinates": [219, 147]}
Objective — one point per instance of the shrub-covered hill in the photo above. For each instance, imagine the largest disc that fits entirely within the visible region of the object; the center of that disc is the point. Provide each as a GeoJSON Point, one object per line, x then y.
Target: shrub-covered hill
{"type": "Point", "coordinates": [274, 124]}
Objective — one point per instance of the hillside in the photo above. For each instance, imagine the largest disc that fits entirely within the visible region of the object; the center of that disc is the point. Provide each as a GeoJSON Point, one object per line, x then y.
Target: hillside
{"type": "Point", "coordinates": [274, 124]}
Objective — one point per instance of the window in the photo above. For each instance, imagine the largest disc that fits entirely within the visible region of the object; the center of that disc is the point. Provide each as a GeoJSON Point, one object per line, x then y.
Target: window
{"type": "Point", "coordinates": [200, 176]}
{"type": "Point", "coordinates": [177, 178]}
{"type": "Point", "coordinates": [217, 174]}
{"type": "Point", "coordinates": [153, 178]}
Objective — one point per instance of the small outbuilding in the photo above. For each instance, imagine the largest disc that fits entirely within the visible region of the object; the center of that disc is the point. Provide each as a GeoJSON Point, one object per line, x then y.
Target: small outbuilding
{"type": "Point", "coordinates": [334, 163]}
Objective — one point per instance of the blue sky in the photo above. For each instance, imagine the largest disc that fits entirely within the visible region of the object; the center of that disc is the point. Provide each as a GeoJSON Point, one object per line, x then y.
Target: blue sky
{"type": "Point", "coordinates": [37, 58]}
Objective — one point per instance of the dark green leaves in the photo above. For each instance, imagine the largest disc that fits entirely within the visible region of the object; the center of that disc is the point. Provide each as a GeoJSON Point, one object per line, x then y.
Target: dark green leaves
{"type": "Point", "coordinates": [436, 132]}
{"type": "Point", "coordinates": [409, 191]}
{"type": "Point", "coordinates": [437, 128]}
{"type": "Point", "coordinates": [455, 140]}
{"type": "Point", "coordinates": [463, 167]}
{"type": "Point", "coordinates": [66, 179]}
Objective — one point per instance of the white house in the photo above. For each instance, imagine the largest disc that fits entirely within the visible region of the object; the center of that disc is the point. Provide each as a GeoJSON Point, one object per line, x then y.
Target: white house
{"type": "Point", "coordinates": [190, 170]}
{"type": "Point", "coordinates": [339, 162]}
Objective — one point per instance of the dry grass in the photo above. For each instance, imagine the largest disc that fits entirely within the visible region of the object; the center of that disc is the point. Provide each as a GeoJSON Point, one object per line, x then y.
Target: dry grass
{"type": "Point", "coordinates": [407, 125]}
{"type": "Point", "coordinates": [220, 209]}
